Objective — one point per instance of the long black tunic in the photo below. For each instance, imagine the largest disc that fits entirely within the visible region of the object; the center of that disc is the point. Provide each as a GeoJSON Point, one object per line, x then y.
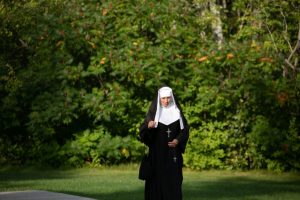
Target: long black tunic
{"type": "Point", "coordinates": [167, 161]}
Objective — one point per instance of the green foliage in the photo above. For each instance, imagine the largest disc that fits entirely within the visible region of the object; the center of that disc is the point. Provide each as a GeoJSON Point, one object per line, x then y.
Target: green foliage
{"type": "Point", "coordinates": [70, 67]}
{"type": "Point", "coordinates": [98, 148]}
{"type": "Point", "coordinates": [205, 146]}
{"type": "Point", "coordinates": [235, 86]}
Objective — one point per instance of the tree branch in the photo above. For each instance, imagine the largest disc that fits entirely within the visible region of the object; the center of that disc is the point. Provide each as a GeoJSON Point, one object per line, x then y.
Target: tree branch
{"type": "Point", "coordinates": [297, 46]}
{"type": "Point", "coordinates": [293, 51]}
{"type": "Point", "coordinates": [270, 31]}
{"type": "Point", "coordinates": [286, 30]}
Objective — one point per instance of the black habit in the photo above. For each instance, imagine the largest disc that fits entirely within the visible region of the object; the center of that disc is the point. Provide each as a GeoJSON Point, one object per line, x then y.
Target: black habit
{"type": "Point", "coordinates": [167, 161]}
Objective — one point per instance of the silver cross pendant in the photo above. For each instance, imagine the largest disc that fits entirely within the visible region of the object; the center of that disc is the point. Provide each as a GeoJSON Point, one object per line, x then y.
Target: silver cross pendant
{"type": "Point", "coordinates": [175, 159]}
{"type": "Point", "coordinates": [168, 131]}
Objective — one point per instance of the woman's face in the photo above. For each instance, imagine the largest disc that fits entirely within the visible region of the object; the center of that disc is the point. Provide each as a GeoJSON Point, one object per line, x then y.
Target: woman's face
{"type": "Point", "coordinates": [165, 101]}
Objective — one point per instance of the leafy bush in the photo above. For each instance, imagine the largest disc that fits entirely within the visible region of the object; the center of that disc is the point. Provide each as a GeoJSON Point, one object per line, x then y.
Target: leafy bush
{"type": "Point", "coordinates": [70, 67]}
{"type": "Point", "coordinates": [100, 148]}
{"type": "Point", "coordinates": [204, 150]}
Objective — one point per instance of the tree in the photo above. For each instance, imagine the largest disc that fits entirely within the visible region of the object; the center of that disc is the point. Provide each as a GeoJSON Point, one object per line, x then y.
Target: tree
{"type": "Point", "coordinates": [76, 73]}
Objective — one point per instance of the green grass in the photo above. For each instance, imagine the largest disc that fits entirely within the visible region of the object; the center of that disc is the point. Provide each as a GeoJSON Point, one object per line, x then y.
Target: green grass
{"type": "Point", "coordinates": [121, 183]}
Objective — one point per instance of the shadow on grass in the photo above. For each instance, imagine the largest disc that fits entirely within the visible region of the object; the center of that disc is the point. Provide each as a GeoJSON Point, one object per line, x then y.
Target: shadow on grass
{"type": "Point", "coordinates": [241, 188]}
{"type": "Point", "coordinates": [230, 188]}
{"type": "Point", "coordinates": [122, 186]}
{"type": "Point", "coordinates": [19, 174]}
{"type": "Point", "coordinates": [118, 195]}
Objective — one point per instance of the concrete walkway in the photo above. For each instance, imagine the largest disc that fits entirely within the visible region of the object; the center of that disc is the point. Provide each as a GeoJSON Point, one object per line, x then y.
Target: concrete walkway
{"type": "Point", "coordinates": [39, 195]}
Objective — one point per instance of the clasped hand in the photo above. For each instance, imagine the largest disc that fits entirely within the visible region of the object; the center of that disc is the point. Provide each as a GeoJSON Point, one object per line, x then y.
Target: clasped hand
{"type": "Point", "coordinates": [151, 124]}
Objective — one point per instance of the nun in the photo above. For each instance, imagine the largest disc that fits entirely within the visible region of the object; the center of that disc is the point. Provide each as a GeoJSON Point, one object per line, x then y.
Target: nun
{"type": "Point", "coordinates": [165, 131]}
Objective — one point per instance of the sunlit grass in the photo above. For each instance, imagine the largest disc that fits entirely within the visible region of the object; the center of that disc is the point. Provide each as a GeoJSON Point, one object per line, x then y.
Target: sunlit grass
{"type": "Point", "coordinates": [121, 183]}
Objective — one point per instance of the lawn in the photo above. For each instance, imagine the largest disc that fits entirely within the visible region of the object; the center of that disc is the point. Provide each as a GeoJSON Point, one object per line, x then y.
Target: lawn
{"type": "Point", "coordinates": [121, 183]}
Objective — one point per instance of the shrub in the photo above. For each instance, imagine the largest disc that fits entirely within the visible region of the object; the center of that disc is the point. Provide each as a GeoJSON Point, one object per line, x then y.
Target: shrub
{"type": "Point", "coordinates": [97, 148]}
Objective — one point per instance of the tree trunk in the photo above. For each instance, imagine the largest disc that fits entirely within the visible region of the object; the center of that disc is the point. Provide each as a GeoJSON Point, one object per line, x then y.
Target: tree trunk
{"type": "Point", "coordinates": [216, 23]}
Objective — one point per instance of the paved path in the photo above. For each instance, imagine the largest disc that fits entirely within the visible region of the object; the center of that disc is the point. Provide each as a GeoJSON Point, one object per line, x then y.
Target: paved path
{"type": "Point", "coordinates": [39, 195]}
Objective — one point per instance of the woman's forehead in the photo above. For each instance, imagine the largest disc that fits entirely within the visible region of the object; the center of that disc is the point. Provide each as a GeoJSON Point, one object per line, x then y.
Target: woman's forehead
{"type": "Point", "coordinates": [166, 97]}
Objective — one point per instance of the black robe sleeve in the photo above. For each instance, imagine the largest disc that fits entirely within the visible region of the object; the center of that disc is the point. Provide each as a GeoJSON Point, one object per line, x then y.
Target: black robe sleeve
{"type": "Point", "coordinates": [146, 135]}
